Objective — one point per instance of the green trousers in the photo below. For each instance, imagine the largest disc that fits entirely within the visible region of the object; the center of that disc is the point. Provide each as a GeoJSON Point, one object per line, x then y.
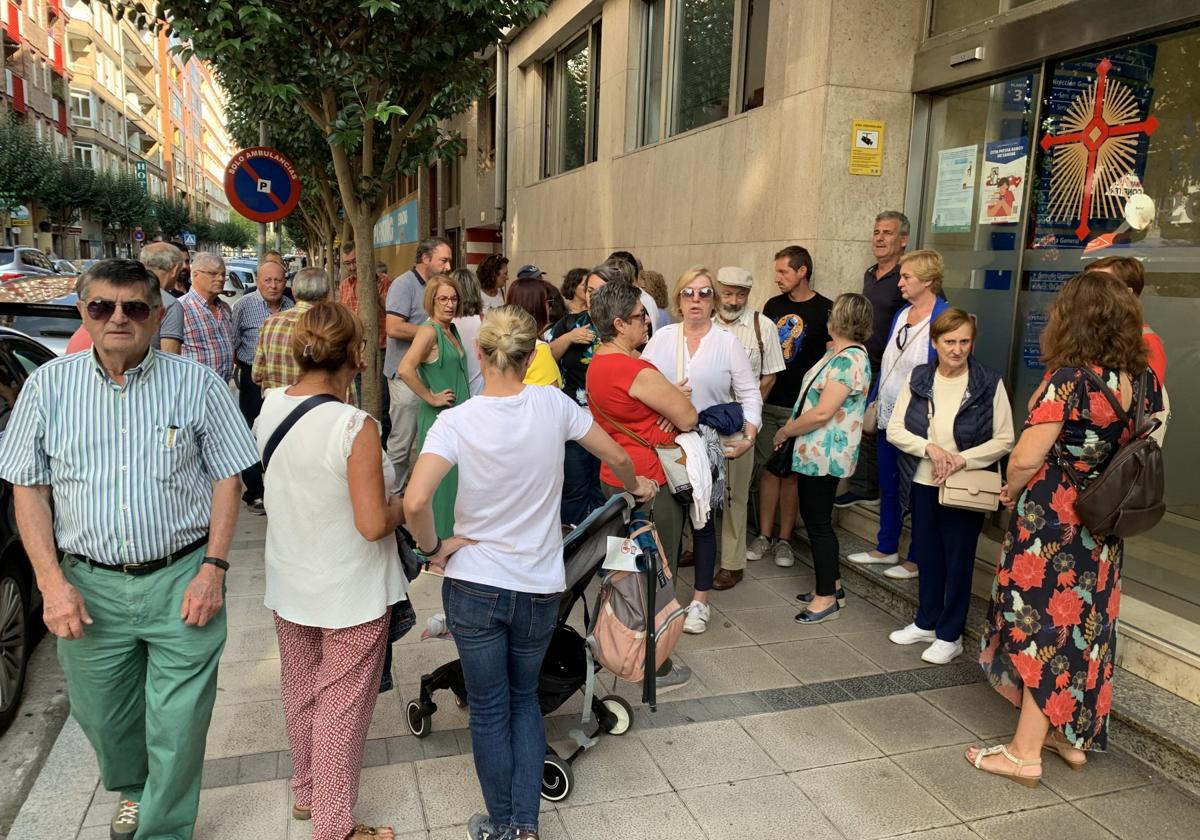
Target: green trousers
{"type": "Point", "coordinates": [142, 686]}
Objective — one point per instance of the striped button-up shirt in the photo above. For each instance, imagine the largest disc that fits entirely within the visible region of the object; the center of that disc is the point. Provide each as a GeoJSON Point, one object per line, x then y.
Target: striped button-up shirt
{"type": "Point", "coordinates": [274, 365]}
{"type": "Point", "coordinates": [130, 466]}
{"type": "Point", "coordinates": [249, 313]}
{"type": "Point", "coordinates": [766, 337]}
{"type": "Point", "coordinates": [208, 336]}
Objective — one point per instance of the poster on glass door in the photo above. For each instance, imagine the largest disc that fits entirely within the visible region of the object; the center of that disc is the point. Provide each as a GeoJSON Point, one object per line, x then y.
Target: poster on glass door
{"type": "Point", "coordinates": [1000, 179]}
{"type": "Point", "coordinates": [954, 196]}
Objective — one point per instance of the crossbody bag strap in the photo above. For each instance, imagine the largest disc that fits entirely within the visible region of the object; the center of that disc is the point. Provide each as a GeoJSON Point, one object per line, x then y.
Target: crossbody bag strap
{"type": "Point", "coordinates": [804, 394]}
{"type": "Point", "coordinates": [888, 372]}
{"type": "Point", "coordinates": [758, 335]}
{"type": "Point", "coordinates": [286, 426]}
{"type": "Point", "coordinates": [679, 355]}
{"type": "Point", "coordinates": [634, 436]}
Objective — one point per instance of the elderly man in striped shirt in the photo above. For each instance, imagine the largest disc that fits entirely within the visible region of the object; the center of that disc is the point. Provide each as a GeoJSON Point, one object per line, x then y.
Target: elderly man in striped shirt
{"type": "Point", "coordinates": [126, 459]}
{"type": "Point", "coordinates": [208, 336]}
{"type": "Point", "coordinates": [249, 314]}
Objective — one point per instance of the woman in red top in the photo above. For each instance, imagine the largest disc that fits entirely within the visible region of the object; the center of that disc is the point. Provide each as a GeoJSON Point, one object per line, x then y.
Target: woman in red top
{"type": "Point", "coordinates": [628, 395]}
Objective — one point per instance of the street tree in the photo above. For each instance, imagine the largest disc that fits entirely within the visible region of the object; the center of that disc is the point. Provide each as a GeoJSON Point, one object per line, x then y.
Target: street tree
{"type": "Point", "coordinates": [121, 205]}
{"type": "Point", "coordinates": [173, 216]}
{"type": "Point", "coordinates": [25, 163]}
{"type": "Point", "coordinates": [68, 190]}
{"type": "Point", "coordinates": [376, 78]}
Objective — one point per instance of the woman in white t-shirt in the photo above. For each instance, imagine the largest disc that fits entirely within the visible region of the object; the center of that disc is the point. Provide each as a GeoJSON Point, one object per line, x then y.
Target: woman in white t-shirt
{"type": "Point", "coordinates": [333, 570]}
{"type": "Point", "coordinates": [468, 323]}
{"type": "Point", "coordinates": [908, 346]}
{"type": "Point", "coordinates": [504, 570]}
{"type": "Point", "coordinates": [493, 281]}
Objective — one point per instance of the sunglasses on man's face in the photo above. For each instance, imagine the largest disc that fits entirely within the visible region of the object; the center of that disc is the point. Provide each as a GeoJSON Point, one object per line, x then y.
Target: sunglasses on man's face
{"type": "Point", "coordinates": [102, 310]}
{"type": "Point", "coordinates": [703, 294]}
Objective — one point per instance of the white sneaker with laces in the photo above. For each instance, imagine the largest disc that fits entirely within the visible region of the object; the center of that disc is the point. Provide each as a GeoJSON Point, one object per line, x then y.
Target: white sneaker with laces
{"type": "Point", "coordinates": [758, 549]}
{"type": "Point", "coordinates": [911, 634]}
{"type": "Point", "coordinates": [866, 558]}
{"type": "Point", "coordinates": [697, 618]}
{"type": "Point", "coordinates": [784, 558]}
{"type": "Point", "coordinates": [124, 823]}
{"type": "Point", "coordinates": [942, 652]}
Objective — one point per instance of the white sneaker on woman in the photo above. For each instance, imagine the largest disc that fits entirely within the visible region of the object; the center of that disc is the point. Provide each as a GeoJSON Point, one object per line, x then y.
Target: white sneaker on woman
{"type": "Point", "coordinates": [911, 634]}
{"type": "Point", "coordinates": [866, 558]}
{"type": "Point", "coordinates": [697, 618]}
{"type": "Point", "coordinates": [942, 652]}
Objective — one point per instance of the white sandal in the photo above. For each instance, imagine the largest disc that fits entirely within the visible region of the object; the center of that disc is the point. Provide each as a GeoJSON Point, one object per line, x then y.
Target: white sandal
{"type": "Point", "coordinates": [1020, 763]}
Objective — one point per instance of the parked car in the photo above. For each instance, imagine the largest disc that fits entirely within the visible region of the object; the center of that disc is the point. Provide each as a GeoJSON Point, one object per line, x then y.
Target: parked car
{"type": "Point", "coordinates": [238, 281]}
{"type": "Point", "coordinates": [66, 267]}
{"type": "Point", "coordinates": [42, 308]}
{"type": "Point", "coordinates": [20, 602]}
{"type": "Point", "coordinates": [20, 260]}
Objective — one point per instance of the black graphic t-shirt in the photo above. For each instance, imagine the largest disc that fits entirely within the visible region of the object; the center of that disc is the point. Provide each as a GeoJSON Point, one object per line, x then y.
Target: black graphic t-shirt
{"type": "Point", "coordinates": [803, 335]}
{"type": "Point", "coordinates": [574, 363]}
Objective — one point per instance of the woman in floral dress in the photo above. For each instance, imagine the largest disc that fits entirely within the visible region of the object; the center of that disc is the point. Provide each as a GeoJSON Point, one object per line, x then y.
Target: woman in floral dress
{"type": "Point", "coordinates": [1051, 637]}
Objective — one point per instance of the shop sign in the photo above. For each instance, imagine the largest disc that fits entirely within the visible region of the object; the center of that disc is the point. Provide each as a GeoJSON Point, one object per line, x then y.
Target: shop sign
{"type": "Point", "coordinates": [20, 216]}
{"type": "Point", "coordinates": [866, 147]}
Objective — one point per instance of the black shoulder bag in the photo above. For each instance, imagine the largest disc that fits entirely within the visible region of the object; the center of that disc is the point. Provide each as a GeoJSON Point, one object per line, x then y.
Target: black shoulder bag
{"type": "Point", "coordinates": [286, 426]}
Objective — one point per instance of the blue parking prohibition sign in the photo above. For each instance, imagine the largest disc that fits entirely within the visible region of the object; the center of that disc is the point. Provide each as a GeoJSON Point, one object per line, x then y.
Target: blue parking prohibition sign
{"type": "Point", "coordinates": [262, 184]}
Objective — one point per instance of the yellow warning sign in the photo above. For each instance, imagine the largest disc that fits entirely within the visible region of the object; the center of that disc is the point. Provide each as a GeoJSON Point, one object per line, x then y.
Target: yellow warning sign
{"type": "Point", "coordinates": [866, 147]}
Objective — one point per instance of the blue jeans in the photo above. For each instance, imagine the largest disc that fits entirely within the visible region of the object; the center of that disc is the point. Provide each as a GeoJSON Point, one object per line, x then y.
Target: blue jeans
{"type": "Point", "coordinates": [502, 638]}
{"type": "Point", "coordinates": [581, 484]}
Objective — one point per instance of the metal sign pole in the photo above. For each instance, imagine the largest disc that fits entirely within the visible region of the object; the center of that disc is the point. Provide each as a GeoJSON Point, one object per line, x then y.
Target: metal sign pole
{"type": "Point", "coordinates": [262, 226]}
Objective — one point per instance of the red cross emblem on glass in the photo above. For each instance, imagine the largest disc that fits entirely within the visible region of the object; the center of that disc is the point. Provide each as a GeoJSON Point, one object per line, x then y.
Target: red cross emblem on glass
{"type": "Point", "coordinates": [1098, 144]}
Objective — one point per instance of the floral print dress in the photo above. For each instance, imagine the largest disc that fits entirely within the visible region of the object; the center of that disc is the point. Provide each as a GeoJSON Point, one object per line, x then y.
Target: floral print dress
{"type": "Point", "coordinates": [832, 449]}
{"type": "Point", "coordinates": [1052, 624]}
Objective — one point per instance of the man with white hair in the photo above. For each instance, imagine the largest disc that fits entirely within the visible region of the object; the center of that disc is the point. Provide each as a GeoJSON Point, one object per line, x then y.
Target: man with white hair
{"type": "Point", "coordinates": [208, 334]}
{"type": "Point", "coordinates": [166, 263]}
{"type": "Point", "coordinates": [759, 337]}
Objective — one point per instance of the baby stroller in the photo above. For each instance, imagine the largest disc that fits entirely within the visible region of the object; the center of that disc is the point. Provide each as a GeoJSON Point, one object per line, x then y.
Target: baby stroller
{"type": "Point", "coordinates": [565, 669]}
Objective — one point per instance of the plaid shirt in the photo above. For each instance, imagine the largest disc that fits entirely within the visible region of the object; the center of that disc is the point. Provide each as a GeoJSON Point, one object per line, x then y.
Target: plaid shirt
{"type": "Point", "coordinates": [274, 365]}
{"type": "Point", "coordinates": [208, 336]}
{"type": "Point", "coordinates": [348, 297]}
{"type": "Point", "coordinates": [250, 312]}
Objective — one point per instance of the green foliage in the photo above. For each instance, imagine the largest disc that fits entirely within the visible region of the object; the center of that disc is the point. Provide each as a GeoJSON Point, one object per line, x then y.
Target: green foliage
{"type": "Point", "coordinates": [68, 189]}
{"type": "Point", "coordinates": [25, 164]}
{"type": "Point", "coordinates": [120, 203]}
{"type": "Point", "coordinates": [173, 216]}
{"type": "Point", "coordinates": [237, 232]}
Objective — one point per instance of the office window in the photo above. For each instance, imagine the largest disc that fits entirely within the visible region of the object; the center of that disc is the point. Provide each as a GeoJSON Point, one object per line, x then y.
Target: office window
{"type": "Point", "coordinates": [85, 153]}
{"type": "Point", "coordinates": [713, 54]}
{"type": "Point", "coordinates": [572, 87]}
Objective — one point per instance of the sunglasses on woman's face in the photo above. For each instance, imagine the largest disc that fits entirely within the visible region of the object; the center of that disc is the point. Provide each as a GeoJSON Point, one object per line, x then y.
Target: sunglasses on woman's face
{"type": "Point", "coordinates": [101, 310]}
{"type": "Point", "coordinates": [703, 294]}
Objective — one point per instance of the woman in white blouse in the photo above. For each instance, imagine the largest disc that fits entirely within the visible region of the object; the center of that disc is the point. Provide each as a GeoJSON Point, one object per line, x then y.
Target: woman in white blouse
{"type": "Point", "coordinates": [952, 415]}
{"type": "Point", "coordinates": [711, 367]}
{"type": "Point", "coordinates": [333, 570]}
{"type": "Point", "coordinates": [908, 346]}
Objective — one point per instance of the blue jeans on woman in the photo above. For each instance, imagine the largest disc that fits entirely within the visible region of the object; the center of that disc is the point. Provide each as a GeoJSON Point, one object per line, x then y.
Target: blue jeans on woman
{"type": "Point", "coordinates": [502, 636]}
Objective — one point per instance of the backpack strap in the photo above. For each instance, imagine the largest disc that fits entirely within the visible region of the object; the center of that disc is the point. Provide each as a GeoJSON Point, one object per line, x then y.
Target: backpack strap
{"type": "Point", "coordinates": [286, 426]}
{"type": "Point", "coordinates": [758, 335]}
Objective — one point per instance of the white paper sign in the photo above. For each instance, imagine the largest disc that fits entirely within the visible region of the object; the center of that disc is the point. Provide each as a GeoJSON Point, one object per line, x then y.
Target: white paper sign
{"type": "Point", "coordinates": [621, 555]}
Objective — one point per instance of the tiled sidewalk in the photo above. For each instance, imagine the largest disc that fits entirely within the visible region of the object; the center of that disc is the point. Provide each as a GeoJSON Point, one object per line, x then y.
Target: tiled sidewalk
{"type": "Point", "coordinates": [785, 731]}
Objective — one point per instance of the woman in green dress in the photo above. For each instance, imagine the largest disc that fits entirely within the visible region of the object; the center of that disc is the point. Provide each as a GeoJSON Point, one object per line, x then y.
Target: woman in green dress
{"type": "Point", "coordinates": [435, 368]}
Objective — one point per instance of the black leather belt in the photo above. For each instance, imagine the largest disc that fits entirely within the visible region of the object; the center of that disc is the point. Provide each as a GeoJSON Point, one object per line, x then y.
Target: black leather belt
{"type": "Point", "coordinates": [152, 566]}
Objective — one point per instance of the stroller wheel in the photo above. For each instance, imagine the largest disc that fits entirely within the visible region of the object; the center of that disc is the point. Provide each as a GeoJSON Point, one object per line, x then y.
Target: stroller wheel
{"type": "Point", "coordinates": [557, 779]}
{"type": "Point", "coordinates": [622, 714]}
{"type": "Point", "coordinates": [418, 721]}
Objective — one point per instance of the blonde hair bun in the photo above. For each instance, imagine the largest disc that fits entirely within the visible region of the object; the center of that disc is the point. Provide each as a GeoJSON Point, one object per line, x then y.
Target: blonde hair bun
{"type": "Point", "coordinates": [507, 337]}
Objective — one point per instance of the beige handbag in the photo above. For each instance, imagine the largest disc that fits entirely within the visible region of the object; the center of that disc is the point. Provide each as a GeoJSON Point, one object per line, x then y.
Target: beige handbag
{"type": "Point", "coordinates": [972, 490]}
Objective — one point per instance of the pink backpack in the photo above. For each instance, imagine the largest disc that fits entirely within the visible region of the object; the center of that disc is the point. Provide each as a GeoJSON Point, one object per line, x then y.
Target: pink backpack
{"type": "Point", "coordinates": [618, 633]}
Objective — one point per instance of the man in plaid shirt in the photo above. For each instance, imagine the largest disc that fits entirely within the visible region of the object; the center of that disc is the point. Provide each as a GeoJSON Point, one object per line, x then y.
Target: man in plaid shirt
{"type": "Point", "coordinates": [274, 365]}
{"type": "Point", "coordinates": [208, 335]}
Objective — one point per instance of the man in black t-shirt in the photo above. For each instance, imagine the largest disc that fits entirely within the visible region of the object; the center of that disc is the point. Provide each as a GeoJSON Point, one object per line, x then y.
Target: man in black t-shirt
{"type": "Point", "coordinates": [801, 318]}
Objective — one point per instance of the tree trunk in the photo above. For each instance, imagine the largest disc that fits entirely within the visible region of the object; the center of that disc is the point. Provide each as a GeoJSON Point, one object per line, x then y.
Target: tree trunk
{"type": "Point", "coordinates": [368, 311]}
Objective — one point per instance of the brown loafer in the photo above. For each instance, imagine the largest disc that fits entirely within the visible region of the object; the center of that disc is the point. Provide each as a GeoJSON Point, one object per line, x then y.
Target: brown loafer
{"type": "Point", "coordinates": [686, 559]}
{"type": "Point", "coordinates": [727, 579]}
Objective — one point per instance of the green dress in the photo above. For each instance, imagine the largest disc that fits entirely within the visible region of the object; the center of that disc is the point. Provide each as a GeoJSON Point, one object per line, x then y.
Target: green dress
{"type": "Point", "coordinates": [448, 370]}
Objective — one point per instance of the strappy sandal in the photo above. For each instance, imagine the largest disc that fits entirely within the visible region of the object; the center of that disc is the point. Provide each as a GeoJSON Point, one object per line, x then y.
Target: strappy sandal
{"type": "Point", "coordinates": [1059, 748]}
{"type": "Point", "coordinates": [365, 832]}
{"type": "Point", "coordinates": [302, 812]}
{"type": "Point", "coordinates": [1019, 763]}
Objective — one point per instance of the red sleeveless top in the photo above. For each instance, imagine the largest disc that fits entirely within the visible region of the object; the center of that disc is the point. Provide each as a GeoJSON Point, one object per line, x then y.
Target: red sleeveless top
{"type": "Point", "coordinates": [609, 378]}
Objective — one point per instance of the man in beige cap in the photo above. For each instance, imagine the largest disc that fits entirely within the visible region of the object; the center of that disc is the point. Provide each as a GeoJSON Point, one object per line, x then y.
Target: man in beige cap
{"type": "Point", "coordinates": [758, 335]}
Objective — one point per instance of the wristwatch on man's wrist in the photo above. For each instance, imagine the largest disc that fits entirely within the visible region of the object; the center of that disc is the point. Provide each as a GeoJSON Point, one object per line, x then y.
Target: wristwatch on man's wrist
{"type": "Point", "coordinates": [223, 565]}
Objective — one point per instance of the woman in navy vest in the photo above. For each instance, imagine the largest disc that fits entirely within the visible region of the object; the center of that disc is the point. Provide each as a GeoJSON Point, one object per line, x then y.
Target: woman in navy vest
{"type": "Point", "coordinates": [951, 415]}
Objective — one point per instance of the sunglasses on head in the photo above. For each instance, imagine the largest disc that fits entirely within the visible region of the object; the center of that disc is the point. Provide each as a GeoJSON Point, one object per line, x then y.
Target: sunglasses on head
{"type": "Point", "coordinates": [703, 294]}
{"type": "Point", "coordinates": [102, 310]}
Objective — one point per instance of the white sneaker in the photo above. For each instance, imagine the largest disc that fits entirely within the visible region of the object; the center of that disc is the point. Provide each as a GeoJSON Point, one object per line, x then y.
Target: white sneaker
{"type": "Point", "coordinates": [911, 634]}
{"type": "Point", "coordinates": [783, 555]}
{"type": "Point", "coordinates": [866, 558]}
{"type": "Point", "coordinates": [898, 572]}
{"type": "Point", "coordinates": [942, 653]}
{"type": "Point", "coordinates": [758, 549]}
{"type": "Point", "coordinates": [697, 619]}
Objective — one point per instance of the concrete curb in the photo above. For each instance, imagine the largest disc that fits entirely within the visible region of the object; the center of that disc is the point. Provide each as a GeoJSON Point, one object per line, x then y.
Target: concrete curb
{"type": "Point", "coordinates": [60, 798]}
